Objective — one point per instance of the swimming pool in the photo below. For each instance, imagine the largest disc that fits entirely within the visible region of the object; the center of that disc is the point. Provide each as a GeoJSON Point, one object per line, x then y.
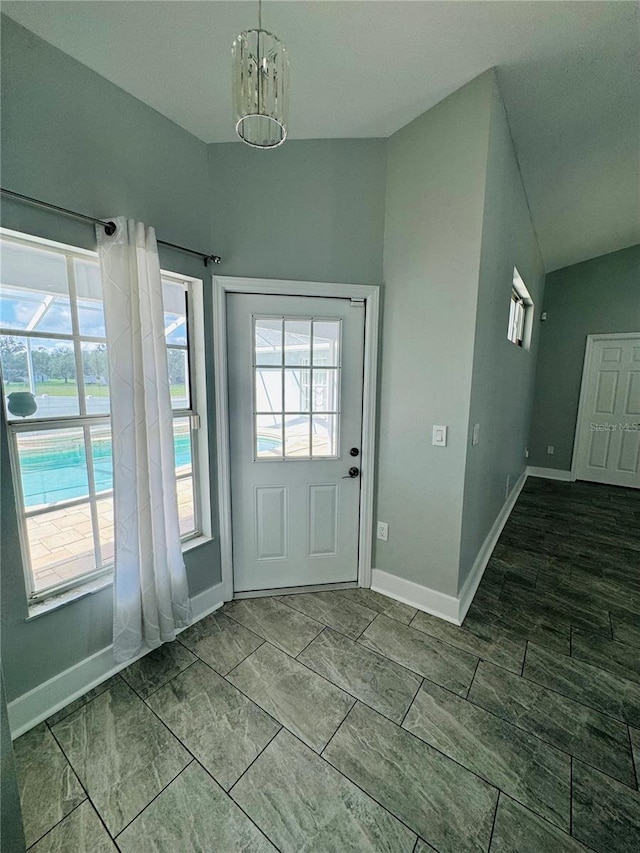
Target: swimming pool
{"type": "Point", "coordinates": [50, 475]}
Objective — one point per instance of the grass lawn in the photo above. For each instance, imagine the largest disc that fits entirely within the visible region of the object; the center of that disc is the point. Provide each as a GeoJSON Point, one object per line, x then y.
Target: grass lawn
{"type": "Point", "coordinates": [59, 388]}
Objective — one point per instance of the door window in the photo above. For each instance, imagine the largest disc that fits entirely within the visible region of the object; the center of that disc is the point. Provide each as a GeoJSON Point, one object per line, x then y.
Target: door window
{"type": "Point", "coordinates": [296, 369]}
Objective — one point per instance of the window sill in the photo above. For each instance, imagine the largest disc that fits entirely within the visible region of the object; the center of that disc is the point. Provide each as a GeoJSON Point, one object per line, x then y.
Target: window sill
{"type": "Point", "coordinates": [40, 608]}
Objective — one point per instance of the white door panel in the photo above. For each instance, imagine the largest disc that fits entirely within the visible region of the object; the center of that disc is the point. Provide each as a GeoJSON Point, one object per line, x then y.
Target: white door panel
{"type": "Point", "coordinates": [295, 372]}
{"type": "Point", "coordinates": [608, 430]}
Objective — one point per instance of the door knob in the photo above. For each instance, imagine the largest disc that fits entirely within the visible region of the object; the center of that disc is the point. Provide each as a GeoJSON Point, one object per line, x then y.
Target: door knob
{"type": "Point", "coordinates": [353, 473]}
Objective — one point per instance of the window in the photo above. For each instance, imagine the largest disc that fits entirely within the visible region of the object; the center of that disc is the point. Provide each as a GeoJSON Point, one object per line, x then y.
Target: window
{"type": "Point", "coordinates": [520, 313]}
{"type": "Point", "coordinates": [296, 387]}
{"type": "Point", "coordinates": [53, 363]}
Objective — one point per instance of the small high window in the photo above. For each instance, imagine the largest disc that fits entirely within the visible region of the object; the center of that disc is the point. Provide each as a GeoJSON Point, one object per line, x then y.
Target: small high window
{"type": "Point", "coordinates": [520, 313]}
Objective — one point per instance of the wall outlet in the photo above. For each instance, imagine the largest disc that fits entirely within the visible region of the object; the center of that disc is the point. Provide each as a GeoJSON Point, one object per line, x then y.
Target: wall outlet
{"type": "Point", "coordinates": [551, 449]}
{"type": "Point", "coordinates": [382, 531]}
{"type": "Point", "coordinates": [526, 453]}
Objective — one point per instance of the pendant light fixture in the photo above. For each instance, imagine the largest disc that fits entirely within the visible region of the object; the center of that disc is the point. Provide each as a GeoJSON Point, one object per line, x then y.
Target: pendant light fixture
{"type": "Point", "coordinates": [260, 87]}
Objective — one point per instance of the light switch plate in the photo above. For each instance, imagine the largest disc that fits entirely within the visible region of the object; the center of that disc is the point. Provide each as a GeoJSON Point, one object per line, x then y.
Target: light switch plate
{"type": "Point", "coordinates": [475, 438]}
{"type": "Point", "coordinates": [439, 436]}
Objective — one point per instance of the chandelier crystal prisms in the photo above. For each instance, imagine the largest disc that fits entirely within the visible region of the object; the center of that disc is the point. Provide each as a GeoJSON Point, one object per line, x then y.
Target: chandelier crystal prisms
{"type": "Point", "coordinates": [260, 87]}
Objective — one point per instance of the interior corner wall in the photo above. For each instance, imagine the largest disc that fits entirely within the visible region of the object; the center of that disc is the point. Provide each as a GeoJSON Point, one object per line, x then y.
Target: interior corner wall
{"type": "Point", "coordinates": [594, 297]}
{"type": "Point", "coordinates": [503, 373]}
{"type": "Point", "coordinates": [436, 168]}
{"type": "Point", "coordinates": [312, 210]}
{"type": "Point", "coordinates": [72, 138]}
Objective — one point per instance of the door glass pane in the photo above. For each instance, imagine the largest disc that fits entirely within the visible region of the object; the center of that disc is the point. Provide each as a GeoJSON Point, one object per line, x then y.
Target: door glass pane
{"type": "Point", "coordinates": [325, 390]}
{"type": "Point", "coordinates": [34, 285]}
{"type": "Point", "coordinates": [268, 436]}
{"type": "Point", "coordinates": [53, 466]}
{"type": "Point", "coordinates": [268, 389]}
{"type": "Point", "coordinates": [296, 435]}
{"type": "Point", "coordinates": [95, 367]}
{"type": "Point", "coordinates": [178, 369]}
{"type": "Point", "coordinates": [326, 342]}
{"type": "Point", "coordinates": [297, 341]}
{"type": "Point", "coordinates": [268, 340]}
{"type": "Point", "coordinates": [297, 391]}
{"type": "Point", "coordinates": [89, 293]}
{"type": "Point", "coordinates": [102, 457]}
{"type": "Point", "coordinates": [325, 435]}
{"type": "Point", "coordinates": [174, 299]}
{"type": "Point", "coordinates": [61, 545]}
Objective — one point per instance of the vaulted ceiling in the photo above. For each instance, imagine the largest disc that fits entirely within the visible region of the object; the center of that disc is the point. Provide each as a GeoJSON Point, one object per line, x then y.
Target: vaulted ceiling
{"type": "Point", "coordinates": [569, 73]}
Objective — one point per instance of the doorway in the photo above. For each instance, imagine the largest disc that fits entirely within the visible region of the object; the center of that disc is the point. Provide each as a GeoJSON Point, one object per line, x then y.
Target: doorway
{"type": "Point", "coordinates": [295, 384]}
{"type": "Point", "coordinates": [607, 441]}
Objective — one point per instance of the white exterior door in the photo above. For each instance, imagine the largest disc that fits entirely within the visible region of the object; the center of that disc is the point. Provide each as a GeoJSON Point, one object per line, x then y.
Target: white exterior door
{"type": "Point", "coordinates": [608, 429]}
{"type": "Point", "coordinates": [295, 379]}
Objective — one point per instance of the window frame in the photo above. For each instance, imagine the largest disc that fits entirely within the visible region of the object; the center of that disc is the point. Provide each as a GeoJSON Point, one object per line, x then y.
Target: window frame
{"type": "Point", "coordinates": [521, 311]}
{"type": "Point", "coordinates": [196, 412]}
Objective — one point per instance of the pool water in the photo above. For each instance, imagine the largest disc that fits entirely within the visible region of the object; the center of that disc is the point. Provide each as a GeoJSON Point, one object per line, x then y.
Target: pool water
{"type": "Point", "coordinates": [49, 477]}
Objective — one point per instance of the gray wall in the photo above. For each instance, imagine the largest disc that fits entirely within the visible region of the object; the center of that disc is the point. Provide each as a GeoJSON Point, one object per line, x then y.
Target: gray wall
{"type": "Point", "coordinates": [72, 138]}
{"type": "Point", "coordinates": [503, 374]}
{"type": "Point", "coordinates": [311, 210]}
{"type": "Point", "coordinates": [433, 229]}
{"type": "Point", "coordinates": [594, 297]}
{"type": "Point", "coordinates": [11, 831]}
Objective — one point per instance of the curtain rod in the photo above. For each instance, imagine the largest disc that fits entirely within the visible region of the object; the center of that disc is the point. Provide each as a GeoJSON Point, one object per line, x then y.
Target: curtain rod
{"type": "Point", "coordinates": [109, 227]}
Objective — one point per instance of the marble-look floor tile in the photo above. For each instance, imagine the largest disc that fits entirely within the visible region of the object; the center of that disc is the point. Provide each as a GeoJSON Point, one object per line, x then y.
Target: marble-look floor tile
{"type": "Point", "coordinates": [48, 787]}
{"type": "Point", "coordinates": [577, 729]}
{"type": "Point", "coordinates": [377, 681]}
{"type": "Point", "coordinates": [518, 830]}
{"type": "Point", "coordinates": [221, 642]}
{"type": "Point", "coordinates": [80, 832]}
{"type": "Point", "coordinates": [491, 644]}
{"type": "Point", "coordinates": [556, 609]}
{"type": "Point", "coordinates": [311, 707]}
{"type": "Point", "coordinates": [282, 626]}
{"type": "Point", "coordinates": [121, 752]}
{"type": "Point", "coordinates": [82, 700]}
{"type": "Point", "coordinates": [606, 814]}
{"type": "Point", "coordinates": [519, 764]}
{"type": "Point", "coordinates": [193, 815]}
{"type": "Point", "coordinates": [302, 803]}
{"type": "Point", "coordinates": [429, 657]}
{"type": "Point", "coordinates": [423, 847]}
{"type": "Point", "coordinates": [380, 603]}
{"type": "Point", "coordinates": [156, 668]}
{"type": "Point", "coordinates": [585, 683]}
{"type": "Point", "coordinates": [220, 726]}
{"type": "Point", "coordinates": [516, 624]}
{"type": "Point", "coordinates": [438, 799]}
{"type": "Point", "coordinates": [634, 735]}
{"type": "Point", "coordinates": [626, 627]}
{"type": "Point", "coordinates": [619, 658]}
{"type": "Point", "coordinates": [334, 610]}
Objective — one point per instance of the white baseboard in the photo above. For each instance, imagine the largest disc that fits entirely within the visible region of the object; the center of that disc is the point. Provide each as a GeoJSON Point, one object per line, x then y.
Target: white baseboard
{"type": "Point", "coordinates": [466, 594]}
{"type": "Point", "coordinates": [451, 608]}
{"type": "Point", "coordinates": [418, 596]}
{"type": "Point", "coordinates": [33, 707]}
{"type": "Point", "coordinates": [549, 473]}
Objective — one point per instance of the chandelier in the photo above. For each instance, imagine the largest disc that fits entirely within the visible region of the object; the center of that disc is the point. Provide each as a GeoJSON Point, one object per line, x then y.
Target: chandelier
{"type": "Point", "coordinates": [260, 87]}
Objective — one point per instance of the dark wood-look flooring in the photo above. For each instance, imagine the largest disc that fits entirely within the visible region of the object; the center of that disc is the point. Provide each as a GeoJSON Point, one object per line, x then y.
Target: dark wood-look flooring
{"type": "Point", "coordinates": [344, 721]}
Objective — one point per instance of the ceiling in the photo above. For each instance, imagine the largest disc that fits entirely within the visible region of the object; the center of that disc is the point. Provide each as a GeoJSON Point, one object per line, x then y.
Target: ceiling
{"type": "Point", "coordinates": [569, 74]}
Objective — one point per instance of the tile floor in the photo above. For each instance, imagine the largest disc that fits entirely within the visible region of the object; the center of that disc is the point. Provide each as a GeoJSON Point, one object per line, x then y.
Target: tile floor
{"type": "Point", "coordinates": [344, 721]}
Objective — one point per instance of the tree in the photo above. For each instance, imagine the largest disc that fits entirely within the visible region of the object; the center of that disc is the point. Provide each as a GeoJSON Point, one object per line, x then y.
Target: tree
{"type": "Point", "coordinates": [62, 363]}
{"type": "Point", "coordinates": [13, 359]}
{"type": "Point", "coordinates": [175, 365]}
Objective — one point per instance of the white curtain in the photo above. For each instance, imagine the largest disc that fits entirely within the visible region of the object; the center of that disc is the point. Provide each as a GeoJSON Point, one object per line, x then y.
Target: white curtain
{"type": "Point", "coordinates": [151, 598]}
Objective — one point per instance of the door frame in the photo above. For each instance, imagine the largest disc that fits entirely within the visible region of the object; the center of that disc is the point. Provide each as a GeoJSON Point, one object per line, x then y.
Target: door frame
{"type": "Point", "coordinates": [369, 294]}
{"type": "Point", "coordinates": [591, 340]}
